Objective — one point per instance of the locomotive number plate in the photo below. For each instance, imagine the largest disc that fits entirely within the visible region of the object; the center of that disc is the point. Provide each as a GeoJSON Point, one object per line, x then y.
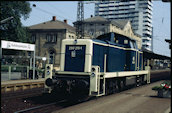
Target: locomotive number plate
{"type": "Point", "coordinates": [75, 47]}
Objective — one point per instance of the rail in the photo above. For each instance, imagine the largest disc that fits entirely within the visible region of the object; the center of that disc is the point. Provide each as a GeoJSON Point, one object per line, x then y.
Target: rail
{"type": "Point", "coordinates": [39, 107]}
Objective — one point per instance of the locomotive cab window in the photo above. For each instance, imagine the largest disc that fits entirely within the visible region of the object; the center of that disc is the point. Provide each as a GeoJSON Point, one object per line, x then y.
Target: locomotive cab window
{"type": "Point", "coordinates": [133, 44]}
{"type": "Point", "coordinates": [116, 40]}
{"type": "Point", "coordinates": [125, 41]}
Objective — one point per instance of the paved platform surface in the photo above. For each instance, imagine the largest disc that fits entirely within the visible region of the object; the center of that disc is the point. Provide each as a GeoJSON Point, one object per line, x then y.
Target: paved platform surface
{"type": "Point", "coordinates": [139, 100]}
{"type": "Point", "coordinates": [21, 81]}
{"type": "Point", "coordinates": [21, 85]}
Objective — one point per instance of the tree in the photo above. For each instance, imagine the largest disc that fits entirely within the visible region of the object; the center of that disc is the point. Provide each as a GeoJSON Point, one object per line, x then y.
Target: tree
{"type": "Point", "coordinates": [13, 30]}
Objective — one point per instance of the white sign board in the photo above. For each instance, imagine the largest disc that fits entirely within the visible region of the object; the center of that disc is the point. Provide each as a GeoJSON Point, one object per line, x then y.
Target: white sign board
{"type": "Point", "coordinates": [17, 45]}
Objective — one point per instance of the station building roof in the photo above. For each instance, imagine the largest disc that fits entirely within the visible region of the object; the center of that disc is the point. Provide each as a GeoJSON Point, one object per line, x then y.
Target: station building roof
{"type": "Point", "coordinates": [119, 23]}
{"type": "Point", "coordinates": [53, 25]}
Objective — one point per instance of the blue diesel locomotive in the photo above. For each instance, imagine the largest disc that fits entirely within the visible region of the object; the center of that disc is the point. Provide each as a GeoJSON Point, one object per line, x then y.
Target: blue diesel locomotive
{"type": "Point", "coordinates": [95, 67]}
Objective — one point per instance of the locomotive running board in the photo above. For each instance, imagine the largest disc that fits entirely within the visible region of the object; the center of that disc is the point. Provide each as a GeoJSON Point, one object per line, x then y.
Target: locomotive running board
{"type": "Point", "coordinates": [124, 73]}
{"type": "Point", "coordinates": [129, 73]}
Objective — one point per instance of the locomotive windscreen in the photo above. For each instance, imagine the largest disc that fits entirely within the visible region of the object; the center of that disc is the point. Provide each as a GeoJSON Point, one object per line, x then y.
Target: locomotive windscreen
{"type": "Point", "coordinates": [75, 58]}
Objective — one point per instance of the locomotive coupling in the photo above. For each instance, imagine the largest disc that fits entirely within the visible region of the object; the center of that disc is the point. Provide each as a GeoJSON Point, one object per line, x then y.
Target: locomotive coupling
{"type": "Point", "coordinates": [50, 82]}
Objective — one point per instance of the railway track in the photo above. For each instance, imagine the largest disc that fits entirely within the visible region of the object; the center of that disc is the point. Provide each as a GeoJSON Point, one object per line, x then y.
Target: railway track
{"type": "Point", "coordinates": [43, 108]}
{"type": "Point", "coordinates": [21, 94]}
{"type": "Point", "coordinates": [50, 107]}
{"type": "Point", "coordinates": [32, 103]}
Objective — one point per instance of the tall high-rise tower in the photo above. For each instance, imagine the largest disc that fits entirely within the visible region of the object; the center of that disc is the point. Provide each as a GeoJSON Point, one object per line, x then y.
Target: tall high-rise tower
{"type": "Point", "coordinates": [137, 11]}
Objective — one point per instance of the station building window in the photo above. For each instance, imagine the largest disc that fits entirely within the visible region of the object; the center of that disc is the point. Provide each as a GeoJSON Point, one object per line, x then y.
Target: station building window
{"type": "Point", "coordinates": [51, 37]}
{"type": "Point", "coordinates": [54, 38]}
{"type": "Point", "coordinates": [48, 38]}
{"type": "Point", "coordinates": [33, 38]}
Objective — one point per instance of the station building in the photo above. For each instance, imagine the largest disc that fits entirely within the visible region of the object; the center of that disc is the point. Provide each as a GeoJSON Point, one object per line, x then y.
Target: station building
{"type": "Point", "coordinates": [47, 37]}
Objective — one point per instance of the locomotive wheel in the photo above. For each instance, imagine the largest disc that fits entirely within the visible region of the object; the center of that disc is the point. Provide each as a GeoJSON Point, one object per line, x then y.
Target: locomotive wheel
{"type": "Point", "coordinates": [121, 85]}
{"type": "Point", "coordinates": [115, 87]}
{"type": "Point", "coordinates": [107, 89]}
{"type": "Point", "coordinates": [112, 87]}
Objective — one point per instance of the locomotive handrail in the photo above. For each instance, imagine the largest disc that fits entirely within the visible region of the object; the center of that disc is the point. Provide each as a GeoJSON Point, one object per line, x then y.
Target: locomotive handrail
{"type": "Point", "coordinates": [125, 73]}
{"type": "Point", "coordinates": [74, 73]}
{"type": "Point", "coordinates": [105, 63]}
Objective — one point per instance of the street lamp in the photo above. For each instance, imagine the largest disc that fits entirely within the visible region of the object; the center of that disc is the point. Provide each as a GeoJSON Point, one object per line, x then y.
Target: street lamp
{"type": "Point", "coordinates": [5, 20]}
{"type": "Point", "coordinates": [44, 58]}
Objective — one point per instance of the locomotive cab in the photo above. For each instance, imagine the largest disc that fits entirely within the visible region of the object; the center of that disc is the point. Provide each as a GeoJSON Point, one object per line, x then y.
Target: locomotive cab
{"type": "Point", "coordinates": [76, 55]}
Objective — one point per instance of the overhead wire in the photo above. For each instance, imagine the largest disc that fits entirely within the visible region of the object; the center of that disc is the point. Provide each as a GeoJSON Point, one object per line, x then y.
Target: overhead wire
{"type": "Point", "coordinates": [52, 5]}
{"type": "Point", "coordinates": [88, 8]}
{"type": "Point", "coordinates": [154, 37]}
{"type": "Point", "coordinates": [163, 44]}
{"type": "Point", "coordinates": [37, 17]}
{"type": "Point", "coordinates": [50, 13]}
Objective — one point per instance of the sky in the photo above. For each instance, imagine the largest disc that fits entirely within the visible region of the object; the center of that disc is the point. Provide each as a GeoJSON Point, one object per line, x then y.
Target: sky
{"type": "Point", "coordinates": [44, 11]}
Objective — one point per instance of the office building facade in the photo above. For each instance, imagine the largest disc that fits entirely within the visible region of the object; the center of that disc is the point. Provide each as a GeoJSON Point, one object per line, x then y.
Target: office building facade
{"type": "Point", "coordinates": [138, 12]}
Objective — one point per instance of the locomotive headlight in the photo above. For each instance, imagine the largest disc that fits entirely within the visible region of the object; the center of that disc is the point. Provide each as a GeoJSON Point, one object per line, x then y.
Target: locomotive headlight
{"type": "Point", "coordinates": [92, 74]}
{"type": "Point", "coordinates": [48, 67]}
{"type": "Point", "coordinates": [48, 72]}
{"type": "Point", "coordinates": [75, 41]}
{"type": "Point", "coordinates": [93, 69]}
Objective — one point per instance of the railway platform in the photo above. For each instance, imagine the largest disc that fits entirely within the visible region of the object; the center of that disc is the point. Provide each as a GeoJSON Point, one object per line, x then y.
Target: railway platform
{"type": "Point", "coordinates": [20, 85]}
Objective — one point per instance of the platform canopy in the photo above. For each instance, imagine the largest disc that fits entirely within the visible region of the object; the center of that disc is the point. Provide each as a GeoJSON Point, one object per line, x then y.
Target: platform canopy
{"type": "Point", "coordinates": [151, 55]}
